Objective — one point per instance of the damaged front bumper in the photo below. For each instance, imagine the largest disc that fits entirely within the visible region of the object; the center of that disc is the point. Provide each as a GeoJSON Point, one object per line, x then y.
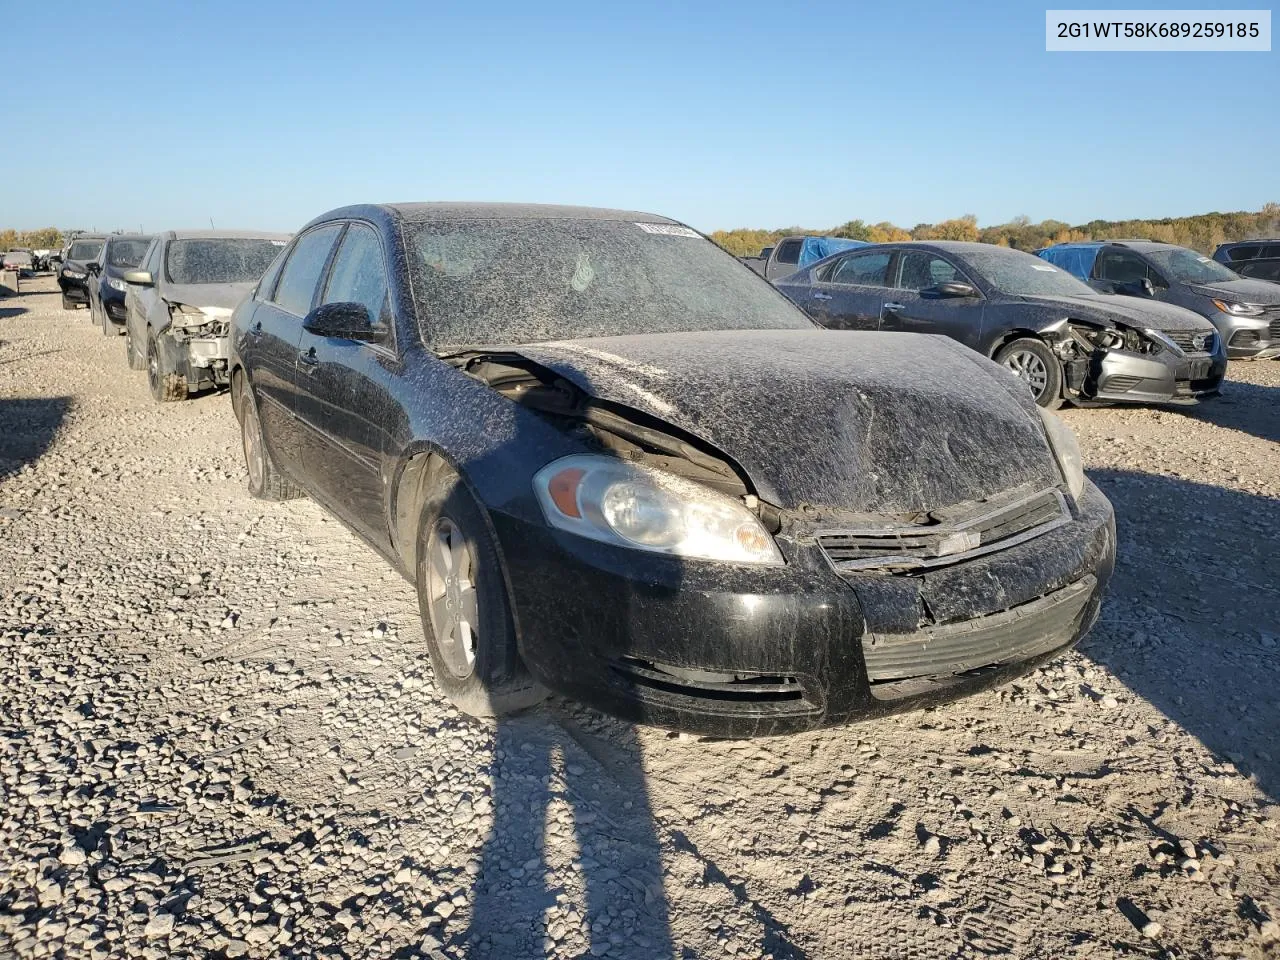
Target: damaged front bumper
{"type": "Point", "coordinates": [1121, 375]}
{"type": "Point", "coordinates": [739, 651]}
{"type": "Point", "coordinates": [203, 354]}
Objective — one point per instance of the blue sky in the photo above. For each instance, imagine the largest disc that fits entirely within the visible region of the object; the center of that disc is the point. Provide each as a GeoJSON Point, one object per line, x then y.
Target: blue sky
{"type": "Point", "coordinates": [720, 114]}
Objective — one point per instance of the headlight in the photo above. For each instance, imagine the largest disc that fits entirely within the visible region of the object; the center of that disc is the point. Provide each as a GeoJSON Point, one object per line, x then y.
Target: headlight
{"type": "Point", "coordinates": [1160, 337]}
{"type": "Point", "coordinates": [115, 284]}
{"type": "Point", "coordinates": [1239, 309]}
{"type": "Point", "coordinates": [1063, 443]}
{"type": "Point", "coordinates": [74, 274]}
{"type": "Point", "coordinates": [633, 506]}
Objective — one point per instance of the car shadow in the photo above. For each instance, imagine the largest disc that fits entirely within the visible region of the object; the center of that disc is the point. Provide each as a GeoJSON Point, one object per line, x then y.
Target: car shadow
{"type": "Point", "coordinates": [1248, 407]}
{"type": "Point", "coordinates": [7, 312]}
{"type": "Point", "coordinates": [573, 848]}
{"type": "Point", "coordinates": [27, 429]}
{"type": "Point", "coordinates": [1192, 623]}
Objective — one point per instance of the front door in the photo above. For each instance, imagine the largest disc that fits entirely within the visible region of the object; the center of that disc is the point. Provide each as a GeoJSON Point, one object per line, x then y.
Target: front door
{"type": "Point", "coordinates": [345, 404]}
{"type": "Point", "coordinates": [916, 305]}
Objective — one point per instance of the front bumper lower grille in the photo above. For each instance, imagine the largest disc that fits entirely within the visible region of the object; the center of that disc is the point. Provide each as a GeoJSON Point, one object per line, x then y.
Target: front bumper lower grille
{"type": "Point", "coordinates": [901, 548]}
{"type": "Point", "coordinates": [757, 693]}
{"type": "Point", "coordinates": [900, 665]}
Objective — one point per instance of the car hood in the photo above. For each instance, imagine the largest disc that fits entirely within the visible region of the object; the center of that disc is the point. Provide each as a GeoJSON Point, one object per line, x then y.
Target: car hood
{"type": "Point", "coordinates": [1243, 290]}
{"type": "Point", "coordinates": [884, 423]}
{"type": "Point", "coordinates": [226, 295]}
{"type": "Point", "coordinates": [1132, 311]}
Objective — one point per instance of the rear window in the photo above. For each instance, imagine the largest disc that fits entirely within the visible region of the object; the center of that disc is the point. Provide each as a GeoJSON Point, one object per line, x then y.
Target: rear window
{"type": "Point", "coordinates": [1077, 261]}
{"type": "Point", "coordinates": [219, 259]}
{"type": "Point", "coordinates": [127, 253]}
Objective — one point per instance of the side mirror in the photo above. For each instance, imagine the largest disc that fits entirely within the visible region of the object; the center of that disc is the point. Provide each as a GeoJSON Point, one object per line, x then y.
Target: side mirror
{"type": "Point", "coordinates": [95, 267]}
{"type": "Point", "coordinates": [953, 288]}
{"type": "Point", "coordinates": [1148, 288]}
{"type": "Point", "coordinates": [141, 278]}
{"type": "Point", "coordinates": [1135, 288]}
{"type": "Point", "coordinates": [344, 321]}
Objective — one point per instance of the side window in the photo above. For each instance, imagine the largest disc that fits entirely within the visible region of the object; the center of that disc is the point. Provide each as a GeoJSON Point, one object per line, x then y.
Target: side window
{"type": "Point", "coordinates": [302, 271]}
{"type": "Point", "coordinates": [152, 259]}
{"type": "Point", "coordinates": [1262, 271]}
{"type": "Point", "coordinates": [921, 270]}
{"type": "Point", "coordinates": [1270, 251]}
{"type": "Point", "coordinates": [1121, 266]}
{"type": "Point", "coordinates": [266, 286]}
{"type": "Point", "coordinates": [866, 269]}
{"type": "Point", "coordinates": [1246, 251]}
{"type": "Point", "coordinates": [358, 274]}
{"type": "Point", "coordinates": [788, 252]}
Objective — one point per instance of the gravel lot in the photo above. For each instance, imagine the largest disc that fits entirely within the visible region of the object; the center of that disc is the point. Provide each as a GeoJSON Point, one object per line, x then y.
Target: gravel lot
{"type": "Point", "coordinates": [219, 734]}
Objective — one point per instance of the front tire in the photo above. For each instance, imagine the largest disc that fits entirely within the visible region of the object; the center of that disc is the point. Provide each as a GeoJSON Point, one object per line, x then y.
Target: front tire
{"type": "Point", "coordinates": [466, 614]}
{"type": "Point", "coordinates": [1037, 367]}
{"type": "Point", "coordinates": [264, 482]}
{"type": "Point", "coordinates": [167, 385]}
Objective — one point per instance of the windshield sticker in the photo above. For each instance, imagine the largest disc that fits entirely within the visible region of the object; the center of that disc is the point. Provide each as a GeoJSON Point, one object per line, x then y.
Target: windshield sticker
{"type": "Point", "coordinates": [669, 230]}
{"type": "Point", "coordinates": [277, 243]}
{"type": "Point", "coordinates": [1044, 269]}
{"type": "Point", "coordinates": [1203, 259]}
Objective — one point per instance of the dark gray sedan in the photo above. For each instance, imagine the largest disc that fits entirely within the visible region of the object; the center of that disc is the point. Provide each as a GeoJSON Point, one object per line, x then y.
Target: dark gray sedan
{"type": "Point", "coordinates": [1065, 340]}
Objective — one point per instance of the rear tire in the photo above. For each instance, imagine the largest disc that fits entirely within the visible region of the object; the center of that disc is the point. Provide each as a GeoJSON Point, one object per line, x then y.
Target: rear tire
{"type": "Point", "coordinates": [466, 614]}
{"type": "Point", "coordinates": [1037, 367]}
{"type": "Point", "coordinates": [167, 385]}
{"type": "Point", "coordinates": [264, 482]}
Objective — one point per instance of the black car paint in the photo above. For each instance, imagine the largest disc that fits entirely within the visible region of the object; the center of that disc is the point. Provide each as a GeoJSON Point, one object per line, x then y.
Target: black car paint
{"type": "Point", "coordinates": [1254, 259]}
{"type": "Point", "coordinates": [111, 300]}
{"type": "Point", "coordinates": [356, 424]}
{"type": "Point", "coordinates": [988, 321]}
{"type": "Point", "coordinates": [76, 289]}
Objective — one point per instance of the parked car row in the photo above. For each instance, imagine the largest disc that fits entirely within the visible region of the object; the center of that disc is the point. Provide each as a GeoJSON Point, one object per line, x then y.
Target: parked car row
{"type": "Point", "coordinates": [618, 466]}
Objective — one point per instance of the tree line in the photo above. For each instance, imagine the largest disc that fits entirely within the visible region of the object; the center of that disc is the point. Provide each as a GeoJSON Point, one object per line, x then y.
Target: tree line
{"type": "Point", "coordinates": [1202, 232]}
{"type": "Point", "coordinates": [46, 238]}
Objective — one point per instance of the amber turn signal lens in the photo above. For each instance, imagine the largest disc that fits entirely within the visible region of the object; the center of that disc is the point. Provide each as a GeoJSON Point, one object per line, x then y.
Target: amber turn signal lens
{"type": "Point", "coordinates": [563, 488]}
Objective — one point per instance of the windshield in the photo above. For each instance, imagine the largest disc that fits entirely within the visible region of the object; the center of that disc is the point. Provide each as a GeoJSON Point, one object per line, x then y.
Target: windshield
{"type": "Point", "coordinates": [126, 253]}
{"type": "Point", "coordinates": [1022, 275]}
{"type": "Point", "coordinates": [521, 281]}
{"type": "Point", "coordinates": [85, 250]}
{"type": "Point", "coordinates": [219, 259]}
{"type": "Point", "coordinates": [1187, 266]}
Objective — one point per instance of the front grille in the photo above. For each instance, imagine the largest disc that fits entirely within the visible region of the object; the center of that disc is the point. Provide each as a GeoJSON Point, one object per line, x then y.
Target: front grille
{"type": "Point", "coordinates": [1244, 338]}
{"type": "Point", "coordinates": [1185, 339]}
{"type": "Point", "coordinates": [900, 665]}
{"type": "Point", "coordinates": [903, 547]}
{"type": "Point", "coordinates": [776, 693]}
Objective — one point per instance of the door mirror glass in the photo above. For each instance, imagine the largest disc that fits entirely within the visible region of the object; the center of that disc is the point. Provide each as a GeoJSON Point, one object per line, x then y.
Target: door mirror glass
{"type": "Point", "coordinates": [344, 321]}
{"type": "Point", "coordinates": [141, 278]}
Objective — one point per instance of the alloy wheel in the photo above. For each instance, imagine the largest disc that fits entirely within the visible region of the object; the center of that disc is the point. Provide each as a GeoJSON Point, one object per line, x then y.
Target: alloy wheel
{"type": "Point", "coordinates": [1030, 368]}
{"type": "Point", "coordinates": [452, 599]}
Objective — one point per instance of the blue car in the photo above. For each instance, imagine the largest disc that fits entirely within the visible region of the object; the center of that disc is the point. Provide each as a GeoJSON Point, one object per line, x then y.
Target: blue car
{"type": "Point", "coordinates": [1246, 312]}
{"type": "Point", "coordinates": [123, 252]}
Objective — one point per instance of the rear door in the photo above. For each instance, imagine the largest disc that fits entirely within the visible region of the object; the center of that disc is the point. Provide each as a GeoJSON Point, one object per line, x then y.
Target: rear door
{"type": "Point", "coordinates": [848, 293]}
{"type": "Point", "coordinates": [917, 307]}
{"type": "Point", "coordinates": [785, 259]}
{"type": "Point", "coordinates": [345, 404]}
{"type": "Point", "coordinates": [271, 340]}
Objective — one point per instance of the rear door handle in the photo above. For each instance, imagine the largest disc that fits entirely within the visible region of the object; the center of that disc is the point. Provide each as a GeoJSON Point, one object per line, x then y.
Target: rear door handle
{"type": "Point", "coordinates": [893, 307]}
{"type": "Point", "coordinates": [309, 357]}
{"type": "Point", "coordinates": [819, 295]}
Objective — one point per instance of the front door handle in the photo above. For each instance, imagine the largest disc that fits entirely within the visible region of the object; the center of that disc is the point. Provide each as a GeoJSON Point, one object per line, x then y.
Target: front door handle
{"type": "Point", "coordinates": [309, 357]}
{"type": "Point", "coordinates": [819, 295]}
{"type": "Point", "coordinates": [893, 308]}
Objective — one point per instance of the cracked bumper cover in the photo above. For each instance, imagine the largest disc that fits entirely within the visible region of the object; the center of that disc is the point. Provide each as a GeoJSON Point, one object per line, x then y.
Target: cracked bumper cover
{"type": "Point", "coordinates": [740, 651]}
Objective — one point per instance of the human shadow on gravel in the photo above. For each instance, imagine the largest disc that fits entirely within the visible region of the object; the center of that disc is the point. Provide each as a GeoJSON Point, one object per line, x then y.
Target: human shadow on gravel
{"type": "Point", "coordinates": [1192, 621]}
{"type": "Point", "coordinates": [27, 428]}
{"type": "Point", "coordinates": [545, 762]}
{"type": "Point", "coordinates": [1248, 407]}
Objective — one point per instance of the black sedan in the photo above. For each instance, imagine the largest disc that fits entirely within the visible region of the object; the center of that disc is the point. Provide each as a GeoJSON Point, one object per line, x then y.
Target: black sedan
{"type": "Point", "coordinates": [1065, 340]}
{"type": "Point", "coordinates": [619, 465]}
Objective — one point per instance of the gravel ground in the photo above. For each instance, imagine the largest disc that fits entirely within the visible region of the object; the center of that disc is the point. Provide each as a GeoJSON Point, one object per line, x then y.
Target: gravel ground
{"type": "Point", "coordinates": [219, 734]}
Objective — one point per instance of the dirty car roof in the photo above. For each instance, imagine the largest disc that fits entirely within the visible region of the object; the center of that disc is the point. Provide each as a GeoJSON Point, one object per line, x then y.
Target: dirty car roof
{"type": "Point", "coordinates": [225, 234]}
